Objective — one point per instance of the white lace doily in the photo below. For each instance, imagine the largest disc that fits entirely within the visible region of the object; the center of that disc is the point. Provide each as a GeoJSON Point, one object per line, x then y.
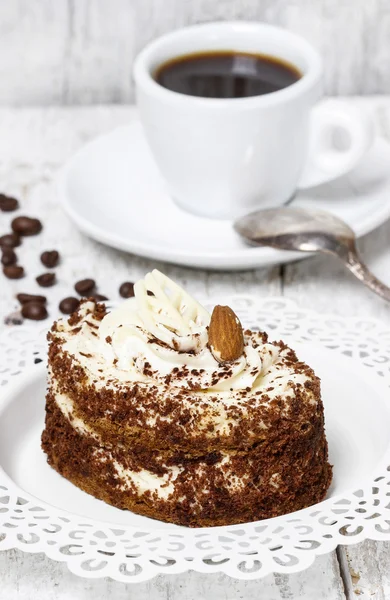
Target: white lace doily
{"type": "Point", "coordinates": [285, 544]}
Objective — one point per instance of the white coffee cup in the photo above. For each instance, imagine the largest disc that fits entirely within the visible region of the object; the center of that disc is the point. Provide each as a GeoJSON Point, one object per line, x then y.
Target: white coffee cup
{"type": "Point", "coordinates": [225, 157]}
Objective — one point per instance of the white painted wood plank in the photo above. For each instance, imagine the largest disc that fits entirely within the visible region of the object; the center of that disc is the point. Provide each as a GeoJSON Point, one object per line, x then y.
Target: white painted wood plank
{"type": "Point", "coordinates": [33, 577]}
{"type": "Point", "coordinates": [100, 51]}
{"type": "Point", "coordinates": [33, 41]}
{"type": "Point", "coordinates": [81, 51]}
{"type": "Point", "coordinates": [369, 570]}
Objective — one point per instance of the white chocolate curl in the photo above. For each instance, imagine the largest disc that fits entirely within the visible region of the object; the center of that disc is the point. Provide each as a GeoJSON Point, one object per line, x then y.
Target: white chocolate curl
{"type": "Point", "coordinates": [171, 315]}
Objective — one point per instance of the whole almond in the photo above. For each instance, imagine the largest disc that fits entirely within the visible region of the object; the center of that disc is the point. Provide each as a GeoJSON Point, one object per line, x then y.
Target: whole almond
{"type": "Point", "coordinates": [226, 339]}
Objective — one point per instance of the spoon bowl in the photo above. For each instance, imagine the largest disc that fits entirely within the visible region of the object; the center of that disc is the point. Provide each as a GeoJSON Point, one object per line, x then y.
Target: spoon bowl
{"type": "Point", "coordinates": [307, 230]}
{"type": "Point", "coordinates": [294, 229]}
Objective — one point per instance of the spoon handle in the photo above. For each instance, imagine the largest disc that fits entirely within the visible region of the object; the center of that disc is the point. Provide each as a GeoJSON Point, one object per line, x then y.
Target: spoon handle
{"type": "Point", "coordinates": [354, 263]}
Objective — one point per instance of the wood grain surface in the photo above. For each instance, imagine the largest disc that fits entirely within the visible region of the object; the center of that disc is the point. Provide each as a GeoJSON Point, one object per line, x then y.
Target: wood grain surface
{"type": "Point", "coordinates": [33, 145]}
{"type": "Point", "coordinates": [81, 51]}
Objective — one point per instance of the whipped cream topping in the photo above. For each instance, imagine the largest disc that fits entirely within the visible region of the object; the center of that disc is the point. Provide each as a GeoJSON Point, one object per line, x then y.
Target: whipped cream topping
{"type": "Point", "coordinates": [164, 336]}
{"type": "Point", "coordinates": [162, 340]}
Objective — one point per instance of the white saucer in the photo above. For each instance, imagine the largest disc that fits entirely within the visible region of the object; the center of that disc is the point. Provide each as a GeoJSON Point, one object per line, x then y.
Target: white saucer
{"type": "Point", "coordinates": [114, 193]}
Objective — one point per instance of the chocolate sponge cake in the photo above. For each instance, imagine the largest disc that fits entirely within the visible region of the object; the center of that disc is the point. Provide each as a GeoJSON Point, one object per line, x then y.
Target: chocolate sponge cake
{"type": "Point", "coordinates": [159, 408]}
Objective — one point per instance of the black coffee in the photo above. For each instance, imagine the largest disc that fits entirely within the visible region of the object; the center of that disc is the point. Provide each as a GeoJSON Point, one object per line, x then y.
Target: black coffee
{"type": "Point", "coordinates": [226, 74]}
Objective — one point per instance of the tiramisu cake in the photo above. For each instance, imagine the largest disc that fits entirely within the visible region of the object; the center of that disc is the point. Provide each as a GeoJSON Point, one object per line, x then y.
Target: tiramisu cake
{"type": "Point", "coordinates": [160, 408]}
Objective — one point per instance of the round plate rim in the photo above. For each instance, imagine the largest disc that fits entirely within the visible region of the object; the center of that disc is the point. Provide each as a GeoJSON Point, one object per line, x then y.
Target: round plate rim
{"type": "Point", "coordinates": [340, 530]}
{"type": "Point", "coordinates": [23, 380]}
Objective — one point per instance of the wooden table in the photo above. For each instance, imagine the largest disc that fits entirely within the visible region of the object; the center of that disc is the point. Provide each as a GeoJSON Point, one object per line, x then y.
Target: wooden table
{"type": "Point", "coordinates": [33, 145]}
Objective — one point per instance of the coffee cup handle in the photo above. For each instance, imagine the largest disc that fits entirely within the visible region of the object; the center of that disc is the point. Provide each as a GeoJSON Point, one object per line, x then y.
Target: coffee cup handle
{"type": "Point", "coordinates": [339, 137]}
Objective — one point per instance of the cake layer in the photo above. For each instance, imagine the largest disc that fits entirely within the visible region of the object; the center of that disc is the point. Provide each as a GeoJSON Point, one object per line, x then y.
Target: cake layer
{"type": "Point", "coordinates": [153, 415]}
{"type": "Point", "coordinates": [280, 475]}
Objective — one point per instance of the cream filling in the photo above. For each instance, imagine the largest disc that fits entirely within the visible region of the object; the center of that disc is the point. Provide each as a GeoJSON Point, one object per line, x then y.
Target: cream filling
{"type": "Point", "coordinates": [65, 404]}
{"type": "Point", "coordinates": [143, 480]}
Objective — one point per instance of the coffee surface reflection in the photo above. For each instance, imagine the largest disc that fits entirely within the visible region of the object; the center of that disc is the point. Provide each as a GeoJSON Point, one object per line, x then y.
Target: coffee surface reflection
{"type": "Point", "coordinates": [226, 74]}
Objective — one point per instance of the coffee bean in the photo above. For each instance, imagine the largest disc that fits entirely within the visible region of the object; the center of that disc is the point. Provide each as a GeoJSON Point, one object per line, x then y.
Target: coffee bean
{"type": "Point", "coordinates": [99, 297]}
{"type": "Point", "coordinates": [84, 287]}
{"type": "Point", "coordinates": [126, 290]}
{"type": "Point", "coordinates": [13, 272]}
{"type": "Point", "coordinates": [46, 279]}
{"type": "Point", "coordinates": [10, 240]}
{"type": "Point", "coordinates": [14, 318]}
{"type": "Point", "coordinates": [50, 258]}
{"type": "Point", "coordinates": [7, 203]}
{"type": "Point", "coordinates": [26, 226]}
{"type": "Point", "coordinates": [23, 298]}
{"type": "Point", "coordinates": [69, 305]}
{"type": "Point", "coordinates": [36, 311]}
{"type": "Point", "coordinates": [8, 257]}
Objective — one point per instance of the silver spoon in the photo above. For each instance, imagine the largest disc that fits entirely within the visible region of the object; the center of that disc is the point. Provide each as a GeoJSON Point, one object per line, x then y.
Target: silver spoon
{"type": "Point", "coordinates": [308, 230]}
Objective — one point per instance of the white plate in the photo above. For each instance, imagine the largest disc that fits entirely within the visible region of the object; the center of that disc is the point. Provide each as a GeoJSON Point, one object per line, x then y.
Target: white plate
{"type": "Point", "coordinates": [357, 437]}
{"type": "Point", "coordinates": [42, 512]}
{"type": "Point", "coordinates": [114, 193]}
